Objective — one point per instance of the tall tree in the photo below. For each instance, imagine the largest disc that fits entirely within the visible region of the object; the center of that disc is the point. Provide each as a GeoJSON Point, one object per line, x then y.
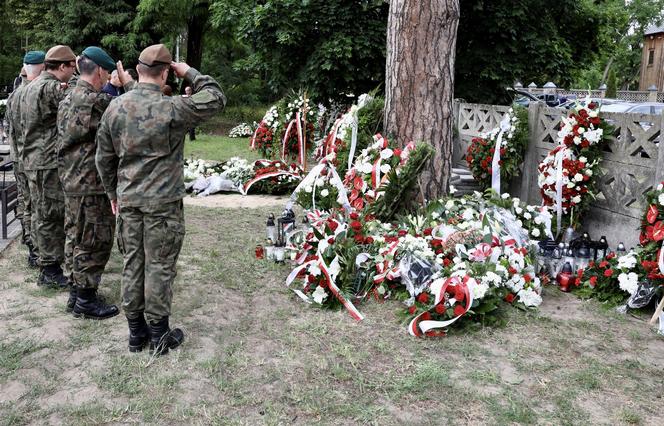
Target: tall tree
{"type": "Point", "coordinates": [419, 82]}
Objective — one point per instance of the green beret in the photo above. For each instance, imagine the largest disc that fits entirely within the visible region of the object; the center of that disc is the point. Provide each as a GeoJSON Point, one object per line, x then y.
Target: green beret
{"type": "Point", "coordinates": [99, 57]}
{"type": "Point", "coordinates": [34, 57]}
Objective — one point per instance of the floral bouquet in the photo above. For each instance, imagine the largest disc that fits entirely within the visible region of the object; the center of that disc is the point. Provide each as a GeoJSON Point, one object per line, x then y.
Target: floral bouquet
{"type": "Point", "coordinates": [274, 177]}
{"type": "Point", "coordinates": [514, 140]}
{"type": "Point", "coordinates": [242, 130]}
{"type": "Point", "coordinates": [195, 168]}
{"type": "Point", "coordinates": [611, 280]}
{"type": "Point", "coordinates": [575, 163]}
{"type": "Point", "coordinates": [268, 129]}
{"type": "Point", "coordinates": [651, 238]}
{"type": "Point", "coordinates": [237, 169]}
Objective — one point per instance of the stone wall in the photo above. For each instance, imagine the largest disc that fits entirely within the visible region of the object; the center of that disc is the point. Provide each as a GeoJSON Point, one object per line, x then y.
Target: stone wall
{"type": "Point", "coordinates": [633, 163]}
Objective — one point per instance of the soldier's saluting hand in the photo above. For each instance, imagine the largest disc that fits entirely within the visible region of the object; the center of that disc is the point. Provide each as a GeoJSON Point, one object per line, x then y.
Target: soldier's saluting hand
{"type": "Point", "coordinates": [140, 160]}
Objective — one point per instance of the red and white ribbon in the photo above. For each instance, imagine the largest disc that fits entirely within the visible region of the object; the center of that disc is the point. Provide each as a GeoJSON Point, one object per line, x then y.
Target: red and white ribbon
{"type": "Point", "coordinates": [661, 259]}
{"type": "Point", "coordinates": [418, 328]}
{"type": "Point", "coordinates": [559, 188]}
{"type": "Point", "coordinates": [301, 140]}
{"type": "Point", "coordinates": [253, 138]}
{"type": "Point", "coordinates": [244, 190]}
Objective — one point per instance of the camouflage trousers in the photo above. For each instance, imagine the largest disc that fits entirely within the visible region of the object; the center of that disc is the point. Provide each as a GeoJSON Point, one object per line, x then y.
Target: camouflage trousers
{"type": "Point", "coordinates": [24, 211]}
{"type": "Point", "coordinates": [48, 217]}
{"type": "Point", "coordinates": [150, 239]}
{"type": "Point", "coordinates": [89, 230]}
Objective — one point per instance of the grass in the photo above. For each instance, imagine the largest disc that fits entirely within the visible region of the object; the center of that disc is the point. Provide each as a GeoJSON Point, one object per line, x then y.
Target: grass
{"type": "Point", "coordinates": [255, 354]}
{"type": "Point", "coordinates": [219, 148]}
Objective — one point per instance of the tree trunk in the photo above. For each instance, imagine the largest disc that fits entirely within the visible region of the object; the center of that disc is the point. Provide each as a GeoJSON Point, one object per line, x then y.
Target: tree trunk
{"type": "Point", "coordinates": [196, 26]}
{"type": "Point", "coordinates": [419, 82]}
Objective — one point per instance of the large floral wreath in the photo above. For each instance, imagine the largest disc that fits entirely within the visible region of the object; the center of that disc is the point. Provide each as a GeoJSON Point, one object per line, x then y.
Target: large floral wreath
{"type": "Point", "coordinates": [651, 238]}
{"type": "Point", "coordinates": [514, 140]}
{"type": "Point", "coordinates": [568, 172]}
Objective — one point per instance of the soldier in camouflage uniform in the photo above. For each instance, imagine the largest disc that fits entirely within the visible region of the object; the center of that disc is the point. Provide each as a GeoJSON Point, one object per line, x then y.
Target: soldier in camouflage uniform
{"type": "Point", "coordinates": [39, 108]}
{"type": "Point", "coordinates": [140, 145]}
{"type": "Point", "coordinates": [33, 64]}
{"type": "Point", "coordinates": [89, 221]}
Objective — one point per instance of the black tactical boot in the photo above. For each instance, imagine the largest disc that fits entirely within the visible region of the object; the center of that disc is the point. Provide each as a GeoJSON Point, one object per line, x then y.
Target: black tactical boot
{"type": "Point", "coordinates": [33, 259]}
{"type": "Point", "coordinates": [89, 305]}
{"type": "Point", "coordinates": [51, 276]}
{"type": "Point", "coordinates": [72, 298]}
{"type": "Point", "coordinates": [163, 338]}
{"type": "Point", "coordinates": [139, 333]}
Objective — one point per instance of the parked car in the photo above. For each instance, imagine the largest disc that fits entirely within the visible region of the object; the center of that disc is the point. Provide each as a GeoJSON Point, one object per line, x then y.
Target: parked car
{"type": "Point", "coordinates": [524, 98]}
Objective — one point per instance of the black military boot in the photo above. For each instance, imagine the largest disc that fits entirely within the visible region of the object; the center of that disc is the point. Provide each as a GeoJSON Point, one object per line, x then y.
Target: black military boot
{"type": "Point", "coordinates": [89, 305]}
{"type": "Point", "coordinates": [51, 276]}
{"type": "Point", "coordinates": [33, 259]}
{"type": "Point", "coordinates": [139, 333]}
{"type": "Point", "coordinates": [71, 302]}
{"type": "Point", "coordinates": [163, 338]}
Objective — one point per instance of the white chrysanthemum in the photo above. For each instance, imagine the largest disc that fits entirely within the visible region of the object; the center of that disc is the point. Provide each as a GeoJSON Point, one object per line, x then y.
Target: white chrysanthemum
{"type": "Point", "coordinates": [628, 282]}
{"type": "Point", "coordinates": [529, 297]}
{"type": "Point", "coordinates": [627, 261]}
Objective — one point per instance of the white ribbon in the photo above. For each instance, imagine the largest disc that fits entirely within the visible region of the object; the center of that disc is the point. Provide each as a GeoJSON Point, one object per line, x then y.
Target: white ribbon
{"type": "Point", "coordinates": [505, 125]}
{"type": "Point", "coordinates": [311, 178]}
{"type": "Point", "coordinates": [559, 190]}
{"type": "Point", "coordinates": [353, 141]}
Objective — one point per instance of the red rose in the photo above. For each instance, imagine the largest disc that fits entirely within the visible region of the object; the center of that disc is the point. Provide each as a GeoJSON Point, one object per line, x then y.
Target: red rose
{"type": "Point", "coordinates": [330, 240]}
{"type": "Point", "coordinates": [611, 255]}
{"type": "Point", "coordinates": [440, 309]}
{"type": "Point", "coordinates": [359, 239]}
{"type": "Point", "coordinates": [311, 278]}
{"type": "Point", "coordinates": [423, 298]}
{"type": "Point", "coordinates": [511, 270]}
{"type": "Point", "coordinates": [608, 273]}
{"type": "Point", "coordinates": [428, 231]}
{"type": "Point", "coordinates": [446, 262]}
{"type": "Point", "coordinates": [354, 216]}
{"type": "Point", "coordinates": [527, 278]}
{"type": "Point", "coordinates": [579, 273]}
{"type": "Point", "coordinates": [356, 224]}
{"type": "Point", "coordinates": [412, 309]}
{"type": "Point", "coordinates": [459, 294]}
{"type": "Point", "coordinates": [368, 240]}
{"type": "Point", "coordinates": [459, 310]}
{"type": "Point", "coordinates": [333, 225]}
{"type": "Point", "coordinates": [323, 284]}
{"type": "Point", "coordinates": [397, 152]}
{"type": "Point", "coordinates": [402, 233]}
{"type": "Point", "coordinates": [593, 281]}
{"type": "Point", "coordinates": [603, 263]}
{"type": "Point", "coordinates": [509, 298]}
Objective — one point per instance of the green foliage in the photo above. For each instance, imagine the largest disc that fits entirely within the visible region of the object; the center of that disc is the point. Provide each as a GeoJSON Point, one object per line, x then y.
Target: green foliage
{"type": "Point", "coordinates": [611, 85]}
{"type": "Point", "coordinates": [501, 41]}
{"type": "Point", "coordinates": [397, 197]}
{"type": "Point", "coordinates": [369, 122]}
{"type": "Point", "coordinates": [333, 47]}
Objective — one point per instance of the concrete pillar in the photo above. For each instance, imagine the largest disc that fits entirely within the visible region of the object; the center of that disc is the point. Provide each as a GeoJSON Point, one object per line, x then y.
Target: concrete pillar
{"type": "Point", "coordinates": [602, 91]}
{"type": "Point", "coordinates": [550, 88]}
{"type": "Point", "coordinates": [652, 93]}
{"type": "Point", "coordinates": [532, 86]}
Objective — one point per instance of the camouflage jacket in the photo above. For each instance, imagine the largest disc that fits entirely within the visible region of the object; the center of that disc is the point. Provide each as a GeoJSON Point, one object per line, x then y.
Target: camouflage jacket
{"type": "Point", "coordinates": [78, 118]}
{"type": "Point", "coordinates": [15, 128]}
{"type": "Point", "coordinates": [39, 110]}
{"type": "Point", "coordinates": [140, 140]}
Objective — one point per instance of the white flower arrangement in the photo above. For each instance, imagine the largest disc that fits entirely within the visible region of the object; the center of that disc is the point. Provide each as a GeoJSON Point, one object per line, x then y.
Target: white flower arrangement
{"type": "Point", "coordinates": [242, 130]}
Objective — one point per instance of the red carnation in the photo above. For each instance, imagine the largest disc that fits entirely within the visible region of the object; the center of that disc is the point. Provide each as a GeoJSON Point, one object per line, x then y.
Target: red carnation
{"type": "Point", "coordinates": [423, 298]}
{"type": "Point", "coordinates": [593, 281]}
{"type": "Point", "coordinates": [446, 262]}
{"type": "Point", "coordinates": [611, 255]}
{"type": "Point", "coordinates": [459, 294]}
{"type": "Point", "coordinates": [459, 310]}
{"type": "Point", "coordinates": [509, 298]}
{"type": "Point", "coordinates": [412, 309]}
{"type": "Point", "coordinates": [397, 152]}
{"type": "Point", "coordinates": [440, 309]}
{"type": "Point", "coordinates": [608, 273]}
{"type": "Point", "coordinates": [603, 264]}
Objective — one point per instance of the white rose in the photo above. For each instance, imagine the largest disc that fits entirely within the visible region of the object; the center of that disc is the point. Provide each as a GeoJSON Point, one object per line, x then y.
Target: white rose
{"type": "Point", "coordinates": [308, 189]}
{"type": "Point", "coordinates": [538, 220]}
{"type": "Point", "coordinates": [583, 159]}
{"type": "Point", "coordinates": [589, 172]}
{"type": "Point", "coordinates": [578, 177]}
{"type": "Point", "coordinates": [386, 153]}
{"type": "Point", "coordinates": [366, 168]}
{"type": "Point", "coordinates": [535, 232]}
{"type": "Point", "coordinates": [581, 130]}
{"type": "Point", "coordinates": [385, 168]}
{"type": "Point", "coordinates": [505, 196]}
{"type": "Point", "coordinates": [518, 210]}
{"type": "Point", "coordinates": [661, 199]}
{"type": "Point", "coordinates": [527, 215]}
{"type": "Point", "coordinates": [577, 140]}
{"type": "Point", "coordinates": [576, 199]}
{"type": "Point", "coordinates": [324, 193]}
{"type": "Point", "coordinates": [660, 187]}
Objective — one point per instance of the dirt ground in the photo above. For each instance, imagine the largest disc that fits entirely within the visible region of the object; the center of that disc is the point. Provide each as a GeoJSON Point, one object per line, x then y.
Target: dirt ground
{"type": "Point", "coordinates": [255, 354]}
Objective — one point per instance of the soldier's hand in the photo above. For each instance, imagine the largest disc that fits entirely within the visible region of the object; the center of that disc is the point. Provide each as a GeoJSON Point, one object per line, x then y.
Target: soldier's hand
{"type": "Point", "coordinates": [180, 68]}
{"type": "Point", "coordinates": [114, 205]}
{"type": "Point", "coordinates": [123, 75]}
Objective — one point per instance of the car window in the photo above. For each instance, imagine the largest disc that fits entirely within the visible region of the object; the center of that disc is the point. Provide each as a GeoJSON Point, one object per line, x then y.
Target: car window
{"type": "Point", "coordinates": [643, 109]}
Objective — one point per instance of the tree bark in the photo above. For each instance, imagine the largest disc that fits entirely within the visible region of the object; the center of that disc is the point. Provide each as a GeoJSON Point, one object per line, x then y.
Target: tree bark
{"type": "Point", "coordinates": [419, 82]}
{"type": "Point", "coordinates": [196, 26]}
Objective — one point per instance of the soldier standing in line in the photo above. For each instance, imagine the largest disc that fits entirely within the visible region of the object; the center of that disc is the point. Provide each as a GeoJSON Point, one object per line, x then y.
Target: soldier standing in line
{"type": "Point", "coordinates": [89, 221]}
{"type": "Point", "coordinates": [33, 64]}
{"type": "Point", "coordinates": [140, 159]}
{"type": "Point", "coordinates": [39, 109]}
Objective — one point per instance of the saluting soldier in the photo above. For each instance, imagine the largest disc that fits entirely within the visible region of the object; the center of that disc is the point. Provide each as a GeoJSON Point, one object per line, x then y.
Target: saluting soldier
{"type": "Point", "coordinates": [140, 160]}
{"type": "Point", "coordinates": [33, 65]}
{"type": "Point", "coordinates": [39, 109]}
{"type": "Point", "coordinates": [89, 221]}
